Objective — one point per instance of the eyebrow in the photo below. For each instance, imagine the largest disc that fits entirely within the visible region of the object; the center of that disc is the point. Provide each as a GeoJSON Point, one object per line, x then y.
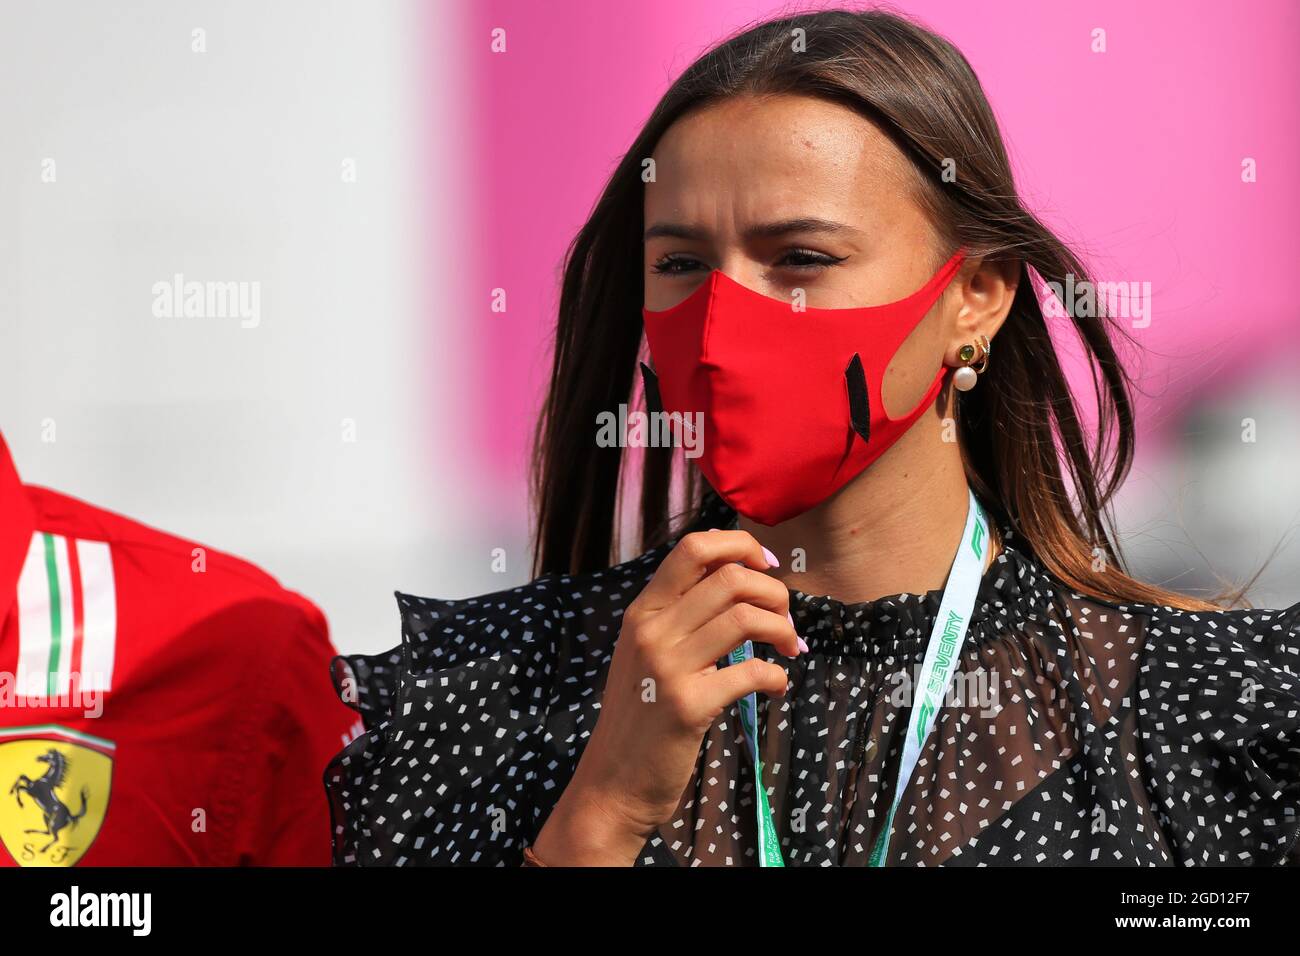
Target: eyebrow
{"type": "Point", "coordinates": [765, 230]}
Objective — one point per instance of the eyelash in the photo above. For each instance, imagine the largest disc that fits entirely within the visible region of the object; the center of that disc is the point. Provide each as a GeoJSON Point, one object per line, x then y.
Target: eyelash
{"type": "Point", "coordinates": [821, 260]}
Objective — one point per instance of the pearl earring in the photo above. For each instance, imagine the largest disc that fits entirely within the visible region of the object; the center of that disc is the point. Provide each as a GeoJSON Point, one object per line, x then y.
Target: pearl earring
{"type": "Point", "coordinates": [964, 378]}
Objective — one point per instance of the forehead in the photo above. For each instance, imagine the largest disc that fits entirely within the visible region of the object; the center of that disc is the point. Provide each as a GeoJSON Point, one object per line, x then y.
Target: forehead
{"type": "Point", "coordinates": [766, 156]}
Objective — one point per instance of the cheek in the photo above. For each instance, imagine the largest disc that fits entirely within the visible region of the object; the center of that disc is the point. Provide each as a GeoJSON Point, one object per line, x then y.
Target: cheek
{"type": "Point", "coordinates": [914, 366]}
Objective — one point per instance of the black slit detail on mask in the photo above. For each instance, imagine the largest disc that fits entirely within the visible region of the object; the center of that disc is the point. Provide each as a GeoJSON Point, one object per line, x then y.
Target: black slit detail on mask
{"type": "Point", "coordinates": [859, 406]}
{"type": "Point", "coordinates": [650, 380]}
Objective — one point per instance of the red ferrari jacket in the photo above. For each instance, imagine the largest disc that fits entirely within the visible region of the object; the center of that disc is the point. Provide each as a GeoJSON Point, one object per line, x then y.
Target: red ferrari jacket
{"type": "Point", "coordinates": [161, 703]}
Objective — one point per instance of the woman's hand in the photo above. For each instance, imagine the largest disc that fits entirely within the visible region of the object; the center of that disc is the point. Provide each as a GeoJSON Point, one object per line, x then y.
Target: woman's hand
{"type": "Point", "coordinates": [664, 690]}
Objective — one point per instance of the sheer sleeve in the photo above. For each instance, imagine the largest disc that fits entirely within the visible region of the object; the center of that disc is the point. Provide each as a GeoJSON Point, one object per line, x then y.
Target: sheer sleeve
{"type": "Point", "coordinates": [368, 683]}
{"type": "Point", "coordinates": [1219, 722]}
{"type": "Point", "coordinates": [447, 770]}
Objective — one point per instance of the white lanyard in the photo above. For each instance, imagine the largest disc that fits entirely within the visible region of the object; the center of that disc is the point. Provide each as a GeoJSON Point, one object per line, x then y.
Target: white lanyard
{"type": "Point", "coordinates": [942, 656]}
{"type": "Point", "coordinates": [769, 844]}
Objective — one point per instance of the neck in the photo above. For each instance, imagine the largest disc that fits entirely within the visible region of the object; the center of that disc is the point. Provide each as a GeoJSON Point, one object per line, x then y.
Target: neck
{"type": "Point", "coordinates": [894, 529]}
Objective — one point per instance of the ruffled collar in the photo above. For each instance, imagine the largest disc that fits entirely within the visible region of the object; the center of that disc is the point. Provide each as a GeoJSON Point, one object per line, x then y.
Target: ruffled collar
{"type": "Point", "coordinates": [1016, 589]}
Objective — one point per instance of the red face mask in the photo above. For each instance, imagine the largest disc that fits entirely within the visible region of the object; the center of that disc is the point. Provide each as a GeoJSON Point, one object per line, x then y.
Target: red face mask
{"type": "Point", "coordinates": [790, 401]}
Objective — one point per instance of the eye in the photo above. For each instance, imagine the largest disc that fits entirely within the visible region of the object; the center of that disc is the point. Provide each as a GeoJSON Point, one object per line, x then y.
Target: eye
{"type": "Point", "coordinates": [675, 264]}
{"type": "Point", "coordinates": [801, 260]}
{"type": "Point", "coordinates": [808, 260]}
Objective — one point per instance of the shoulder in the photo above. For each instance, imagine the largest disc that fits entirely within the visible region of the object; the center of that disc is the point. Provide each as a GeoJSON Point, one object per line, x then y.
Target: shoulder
{"type": "Point", "coordinates": [1168, 646]}
{"type": "Point", "coordinates": [180, 581]}
{"type": "Point", "coordinates": [1025, 583]}
{"type": "Point", "coordinates": [578, 615]}
{"type": "Point", "coordinates": [1193, 643]}
{"type": "Point", "coordinates": [529, 630]}
{"type": "Point", "coordinates": [1214, 656]}
{"type": "Point", "coordinates": [1214, 631]}
{"type": "Point", "coordinates": [586, 606]}
{"type": "Point", "coordinates": [1247, 622]}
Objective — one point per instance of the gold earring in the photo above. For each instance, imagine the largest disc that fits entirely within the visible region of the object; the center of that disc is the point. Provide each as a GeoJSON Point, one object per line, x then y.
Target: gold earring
{"type": "Point", "coordinates": [964, 378]}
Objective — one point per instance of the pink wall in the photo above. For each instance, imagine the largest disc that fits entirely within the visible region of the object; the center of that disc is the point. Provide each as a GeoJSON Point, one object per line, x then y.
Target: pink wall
{"type": "Point", "coordinates": [1133, 154]}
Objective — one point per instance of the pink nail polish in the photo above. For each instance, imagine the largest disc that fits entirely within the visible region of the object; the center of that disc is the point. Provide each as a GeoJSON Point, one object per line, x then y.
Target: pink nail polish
{"type": "Point", "coordinates": [803, 645]}
{"type": "Point", "coordinates": [772, 562]}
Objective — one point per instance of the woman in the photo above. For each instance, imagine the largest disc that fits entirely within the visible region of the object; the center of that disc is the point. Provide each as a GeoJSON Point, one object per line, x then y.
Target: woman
{"type": "Point", "coordinates": [893, 596]}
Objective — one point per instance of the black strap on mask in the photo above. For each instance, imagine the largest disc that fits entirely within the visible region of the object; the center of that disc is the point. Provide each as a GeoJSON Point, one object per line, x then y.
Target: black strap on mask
{"type": "Point", "coordinates": [650, 381]}
{"type": "Point", "coordinates": [859, 406]}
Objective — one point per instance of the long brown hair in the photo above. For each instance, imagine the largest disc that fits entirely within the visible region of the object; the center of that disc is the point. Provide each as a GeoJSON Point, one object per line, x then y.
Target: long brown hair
{"type": "Point", "coordinates": [1026, 453]}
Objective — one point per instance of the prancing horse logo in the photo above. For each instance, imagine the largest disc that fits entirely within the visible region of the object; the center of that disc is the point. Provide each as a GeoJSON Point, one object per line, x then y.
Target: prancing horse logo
{"type": "Point", "coordinates": [41, 791]}
{"type": "Point", "coordinates": [58, 794]}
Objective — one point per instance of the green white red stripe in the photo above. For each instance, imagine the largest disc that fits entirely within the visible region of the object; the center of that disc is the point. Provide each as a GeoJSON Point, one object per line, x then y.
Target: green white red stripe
{"type": "Point", "coordinates": [55, 732]}
{"type": "Point", "coordinates": [67, 617]}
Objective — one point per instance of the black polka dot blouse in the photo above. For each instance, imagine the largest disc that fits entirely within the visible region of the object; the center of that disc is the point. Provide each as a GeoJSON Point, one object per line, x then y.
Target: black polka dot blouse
{"type": "Point", "coordinates": [1076, 731]}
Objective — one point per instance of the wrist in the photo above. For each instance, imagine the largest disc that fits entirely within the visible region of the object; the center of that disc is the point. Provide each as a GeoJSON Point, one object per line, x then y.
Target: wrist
{"type": "Point", "coordinates": [585, 829]}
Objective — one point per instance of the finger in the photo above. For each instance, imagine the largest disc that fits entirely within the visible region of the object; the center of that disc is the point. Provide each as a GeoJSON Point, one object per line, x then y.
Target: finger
{"type": "Point", "coordinates": [728, 585]}
{"type": "Point", "coordinates": [696, 556]}
{"type": "Point", "coordinates": [739, 623]}
{"type": "Point", "coordinates": [733, 682]}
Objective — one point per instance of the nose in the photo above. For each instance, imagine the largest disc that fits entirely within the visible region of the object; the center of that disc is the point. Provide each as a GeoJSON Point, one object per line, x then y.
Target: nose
{"type": "Point", "coordinates": [741, 270]}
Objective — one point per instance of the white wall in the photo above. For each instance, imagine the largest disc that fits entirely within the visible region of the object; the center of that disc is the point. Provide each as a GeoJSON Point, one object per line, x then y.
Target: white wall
{"type": "Point", "coordinates": [227, 165]}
